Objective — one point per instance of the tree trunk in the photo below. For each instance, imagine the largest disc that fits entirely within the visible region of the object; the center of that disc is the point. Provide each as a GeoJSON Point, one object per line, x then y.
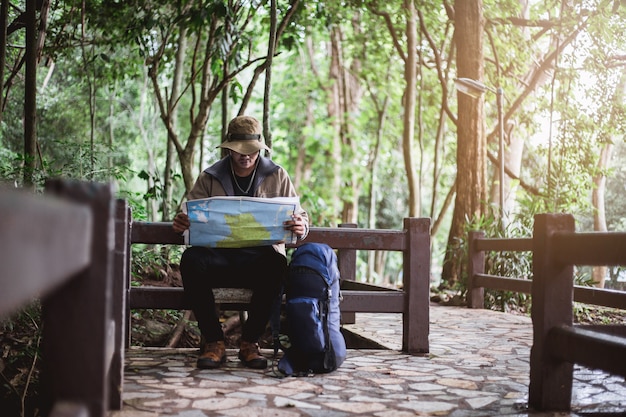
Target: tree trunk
{"type": "Point", "coordinates": [599, 214]}
{"type": "Point", "coordinates": [267, 95]}
{"type": "Point", "coordinates": [4, 17]}
{"type": "Point", "coordinates": [170, 152]}
{"type": "Point", "coordinates": [152, 203]}
{"type": "Point", "coordinates": [381, 111]}
{"type": "Point", "coordinates": [334, 113]}
{"type": "Point", "coordinates": [408, 133]}
{"type": "Point", "coordinates": [471, 187]}
{"type": "Point", "coordinates": [30, 96]}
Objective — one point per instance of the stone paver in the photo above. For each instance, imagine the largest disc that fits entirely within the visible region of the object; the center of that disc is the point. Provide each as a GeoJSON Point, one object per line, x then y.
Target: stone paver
{"type": "Point", "coordinates": [477, 366]}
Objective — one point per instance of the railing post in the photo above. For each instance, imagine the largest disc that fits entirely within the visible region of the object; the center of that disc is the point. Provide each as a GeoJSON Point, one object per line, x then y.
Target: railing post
{"type": "Point", "coordinates": [476, 265]}
{"type": "Point", "coordinates": [346, 258]}
{"type": "Point", "coordinates": [550, 385]}
{"type": "Point", "coordinates": [120, 301]}
{"type": "Point", "coordinates": [128, 279]}
{"type": "Point", "coordinates": [416, 285]}
{"type": "Point", "coordinates": [77, 331]}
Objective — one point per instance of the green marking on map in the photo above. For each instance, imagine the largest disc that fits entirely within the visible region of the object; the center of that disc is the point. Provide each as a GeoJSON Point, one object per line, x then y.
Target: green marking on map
{"type": "Point", "coordinates": [243, 227]}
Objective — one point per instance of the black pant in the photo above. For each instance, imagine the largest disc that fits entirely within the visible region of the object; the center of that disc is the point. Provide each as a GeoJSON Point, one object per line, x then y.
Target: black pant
{"type": "Point", "coordinates": [261, 269]}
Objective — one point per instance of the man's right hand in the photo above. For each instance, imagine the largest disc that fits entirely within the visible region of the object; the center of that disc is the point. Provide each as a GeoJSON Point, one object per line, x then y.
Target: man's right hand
{"type": "Point", "coordinates": [181, 222]}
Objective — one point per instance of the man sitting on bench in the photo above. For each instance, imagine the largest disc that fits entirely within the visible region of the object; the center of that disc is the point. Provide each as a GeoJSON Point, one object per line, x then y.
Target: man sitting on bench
{"type": "Point", "coordinates": [243, 172]}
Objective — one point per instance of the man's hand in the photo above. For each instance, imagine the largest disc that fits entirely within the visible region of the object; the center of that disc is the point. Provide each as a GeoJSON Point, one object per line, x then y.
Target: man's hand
{"type": "Point", "coordinates": [181, 222]}
{"type": "Point", "coordinates": [296, 225]}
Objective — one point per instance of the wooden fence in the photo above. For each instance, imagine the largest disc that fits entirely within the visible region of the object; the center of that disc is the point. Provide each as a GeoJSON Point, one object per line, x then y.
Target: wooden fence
{"type": "Point", "coordinates": [558, 343]}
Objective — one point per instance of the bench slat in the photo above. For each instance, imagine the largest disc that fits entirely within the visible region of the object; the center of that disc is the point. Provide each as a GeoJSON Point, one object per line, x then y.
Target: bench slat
{"type": "Point", "coordinates": [338, 238]}
{"type": "Point", "coordinates": [237, 298]}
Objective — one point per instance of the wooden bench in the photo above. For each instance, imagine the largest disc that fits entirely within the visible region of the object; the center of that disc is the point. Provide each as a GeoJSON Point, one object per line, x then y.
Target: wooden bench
{"type": "Point", "coordinates": [557, 343]}
{"type": "Point", "coordinates": [412, 301]}
{"type": "Point", "coordinates": [60, 250]}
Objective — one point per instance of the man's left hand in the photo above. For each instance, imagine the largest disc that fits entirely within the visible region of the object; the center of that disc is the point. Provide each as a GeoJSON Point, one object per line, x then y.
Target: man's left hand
{"type": "Point", "coordinates": [296, 225]}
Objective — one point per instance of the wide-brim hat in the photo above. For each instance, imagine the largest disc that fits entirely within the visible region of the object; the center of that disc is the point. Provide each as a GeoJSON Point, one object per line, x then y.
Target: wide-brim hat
{"type": "Point", "coordinates": [244, 136]}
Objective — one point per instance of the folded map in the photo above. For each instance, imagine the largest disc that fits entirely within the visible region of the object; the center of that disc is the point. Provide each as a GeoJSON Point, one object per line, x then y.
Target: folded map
{"type": "Point", "coordinates": [237, 222]}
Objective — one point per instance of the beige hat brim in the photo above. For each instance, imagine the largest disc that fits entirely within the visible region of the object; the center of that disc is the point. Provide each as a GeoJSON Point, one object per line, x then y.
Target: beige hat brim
{"type": "Point", "coordinates": [244, 147]}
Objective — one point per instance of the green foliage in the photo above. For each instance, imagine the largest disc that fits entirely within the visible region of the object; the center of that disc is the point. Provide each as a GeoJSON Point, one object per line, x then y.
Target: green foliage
{"type": "Point", "coordinates": [511, 264]}
{"type": "Point", "coordinates": [153, 261]}
{"type": "Point", "coordinates": [10, 166]}
{"type": "Point", "coordinates": [98, 117]}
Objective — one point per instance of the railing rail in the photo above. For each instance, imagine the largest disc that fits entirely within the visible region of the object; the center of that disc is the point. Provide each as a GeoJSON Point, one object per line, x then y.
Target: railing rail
{"type": "Point", "coordinates": [589, 249]}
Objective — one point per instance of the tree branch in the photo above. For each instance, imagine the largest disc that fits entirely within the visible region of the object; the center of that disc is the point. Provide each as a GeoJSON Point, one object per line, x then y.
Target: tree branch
{"type": "Point", "coordinates": [392, 31]}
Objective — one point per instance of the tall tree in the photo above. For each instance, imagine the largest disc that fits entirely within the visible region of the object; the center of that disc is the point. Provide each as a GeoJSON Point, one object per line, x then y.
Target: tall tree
{"type": "Point", "coordinates": [471, 186]}
{"type": "Point", "coordinates": [409, 58]}
{"type": "Point", "coordinates": [30, 95]}
{"type": "Point", "coordinates": [4, 20]}
{"type": "Point", "coordinates": [616, 118]}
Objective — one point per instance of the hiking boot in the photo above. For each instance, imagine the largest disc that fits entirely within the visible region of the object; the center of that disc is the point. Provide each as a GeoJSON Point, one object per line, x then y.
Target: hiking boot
{"type": "Point", "coordinates": [212, 355]}
{"type": "Point", "coordinates": [250, 356]}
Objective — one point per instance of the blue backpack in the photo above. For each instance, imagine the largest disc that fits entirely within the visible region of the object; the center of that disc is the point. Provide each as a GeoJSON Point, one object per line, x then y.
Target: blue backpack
{"type": "Point", "coordinates": [315, 344]}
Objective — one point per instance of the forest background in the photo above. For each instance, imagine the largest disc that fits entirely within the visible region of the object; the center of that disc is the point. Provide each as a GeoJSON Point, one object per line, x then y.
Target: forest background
{"type": "Point", "coordinates": [358, 103]}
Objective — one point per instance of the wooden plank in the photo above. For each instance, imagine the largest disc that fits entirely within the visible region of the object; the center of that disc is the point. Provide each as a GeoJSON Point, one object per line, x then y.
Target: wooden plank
{"type": "Point", "coordinates": [363, 239]}
{"type": "Point", "coordinates": [593, 349]}
{"type": "Point", "coordinates": [160, 233]}
{"type": "Point", "coordinates": [173, 298]}
{"type": "Point", "coordinates": [338, 238]}
{"type": "Point", "coordinates": [600, 297]}
{"type": "Point", "coordinates": [416, 286]}
{"type": "Point", "coordinates": [504, 284]}
{"type": "Point", "coordinates": [591, 249]}
{"type": "Point", "coordinates": [505, 245]}
{"type": "Point", "coordinates": [44, 241]}
{"type": "Point", "coordinates": [372, 301]}
{"type": "Point", "coordinates": [588, 295]}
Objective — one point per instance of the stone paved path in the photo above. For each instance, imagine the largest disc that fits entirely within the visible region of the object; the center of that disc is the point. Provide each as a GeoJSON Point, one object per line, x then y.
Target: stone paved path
{"type": "Point", "coordinates": [477, 366]}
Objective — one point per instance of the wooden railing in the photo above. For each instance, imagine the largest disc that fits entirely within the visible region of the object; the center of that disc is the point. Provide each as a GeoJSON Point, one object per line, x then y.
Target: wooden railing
{"type": "Point", "coordinates": [558, 344]}
{"type": "Point", "coordinates": [59, 249]}
{"type": "Point", "coordinates": [412, 301]}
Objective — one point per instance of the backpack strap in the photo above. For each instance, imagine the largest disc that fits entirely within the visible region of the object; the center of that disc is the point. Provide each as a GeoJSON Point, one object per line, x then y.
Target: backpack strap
{"type": "Point", "coordinates": [330, 361]}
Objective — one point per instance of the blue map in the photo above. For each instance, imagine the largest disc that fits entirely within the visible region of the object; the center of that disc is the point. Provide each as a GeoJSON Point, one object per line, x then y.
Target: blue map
{"type": "Point", "coordinates": [238, 222]}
